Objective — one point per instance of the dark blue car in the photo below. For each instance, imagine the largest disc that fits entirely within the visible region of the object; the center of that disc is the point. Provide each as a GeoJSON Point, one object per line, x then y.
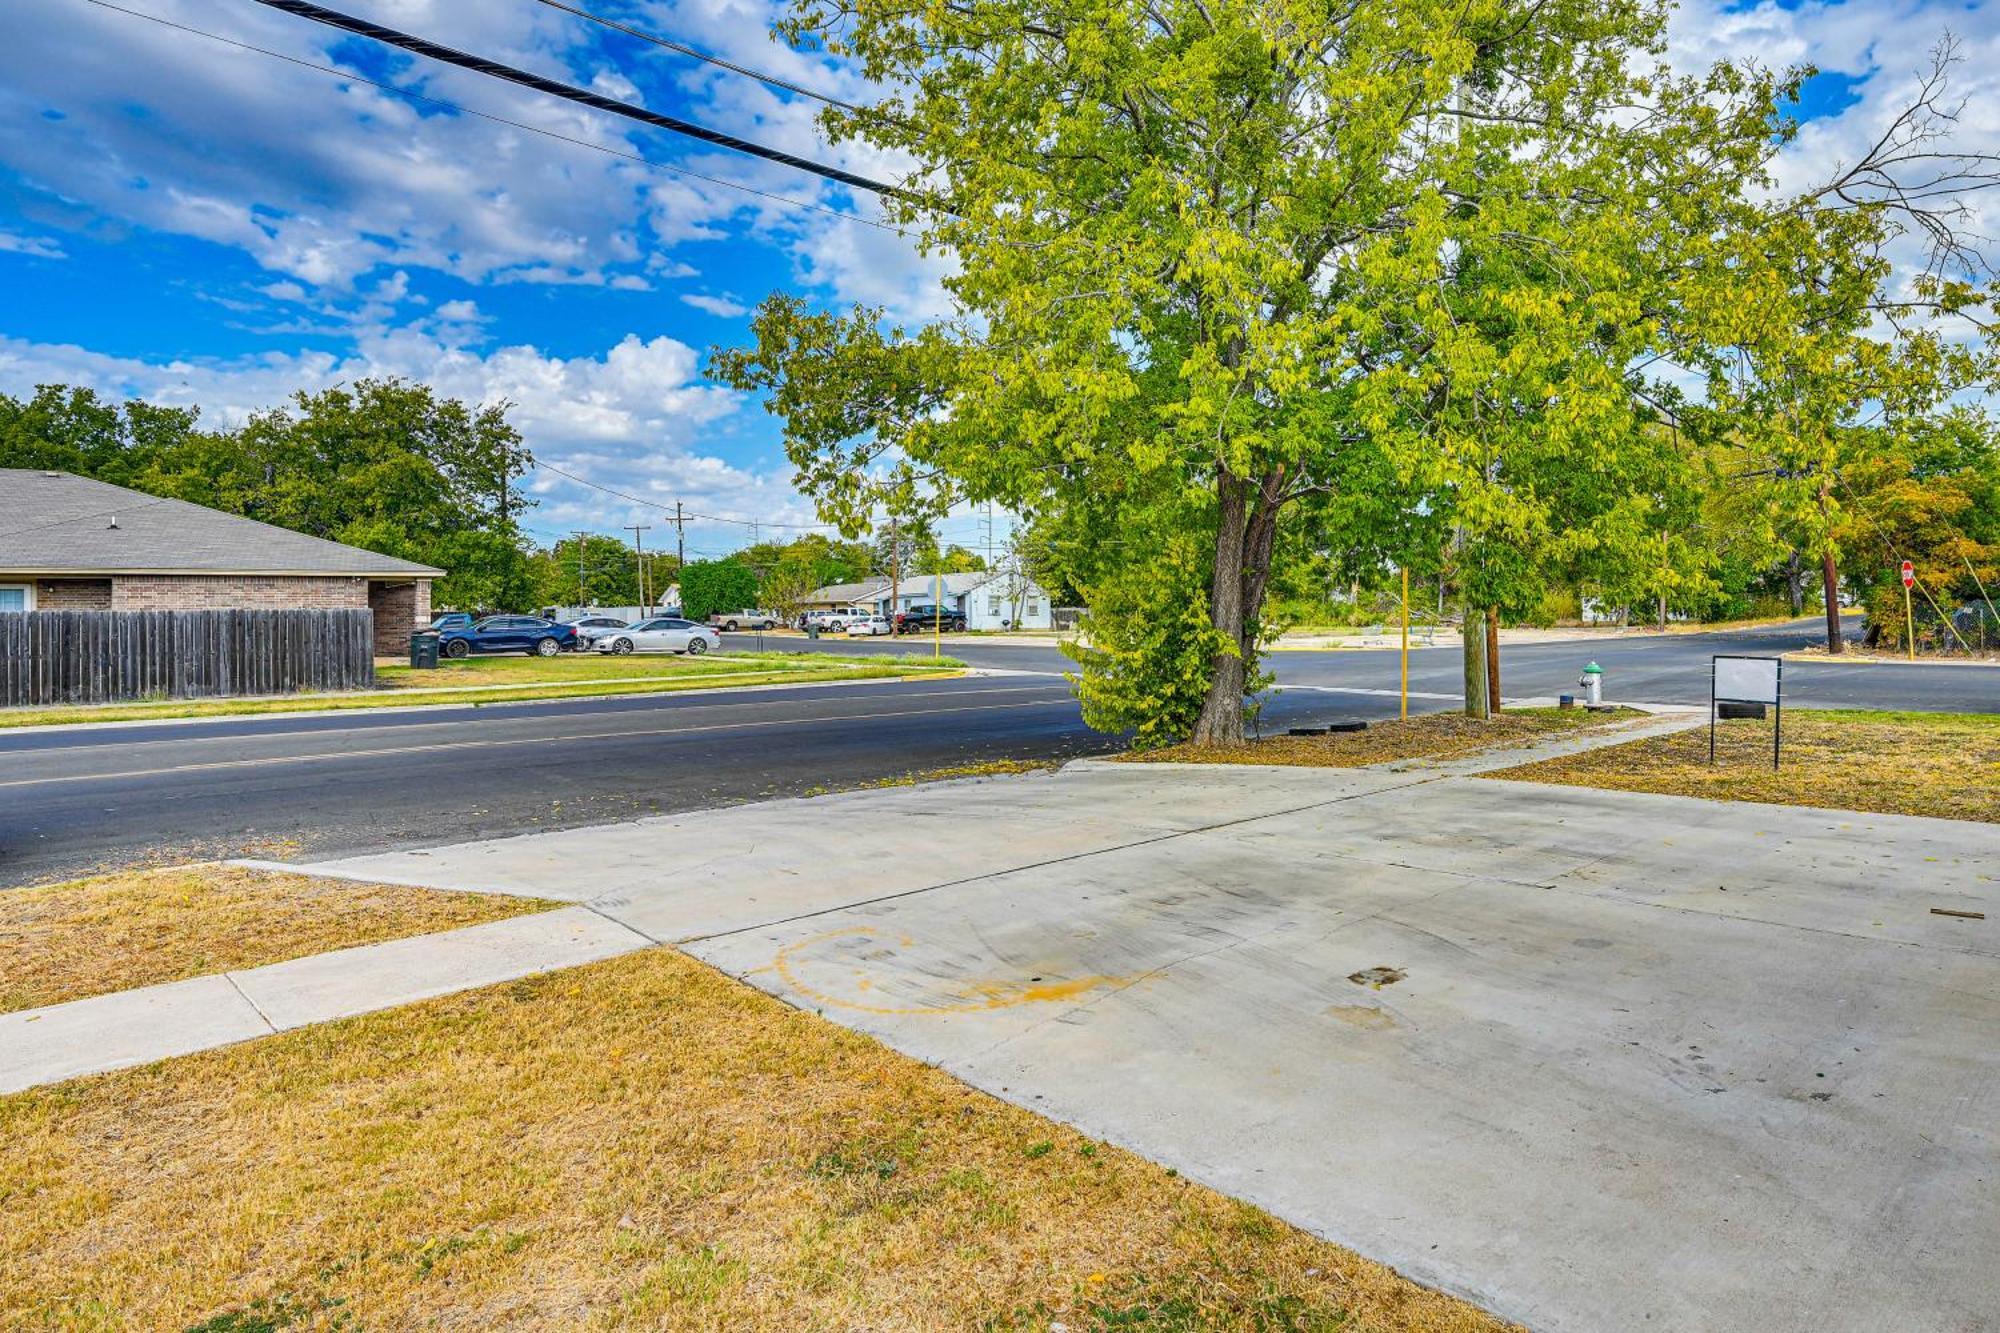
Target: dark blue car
{"type": "Point", "coordinates": [508, 634]}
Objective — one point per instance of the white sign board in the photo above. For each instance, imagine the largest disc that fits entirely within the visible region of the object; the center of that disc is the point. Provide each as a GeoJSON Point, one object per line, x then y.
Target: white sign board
{"type": "Point", "coordinates": [1750, 680]}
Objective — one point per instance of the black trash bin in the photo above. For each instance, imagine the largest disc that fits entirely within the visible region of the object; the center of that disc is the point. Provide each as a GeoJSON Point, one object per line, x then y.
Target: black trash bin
{"type": "Point", "coordinates": [424, 650]}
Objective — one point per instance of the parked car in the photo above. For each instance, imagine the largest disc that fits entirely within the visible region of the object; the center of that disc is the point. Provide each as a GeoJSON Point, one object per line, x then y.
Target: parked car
{"type": "Point", "coordinates": [735, 620]}
{"type": "Point", "coordinates": [509, 634]}
{"type": "Point", "coordinates": [830, 622]}
{"type": "Point", "coordinates": [661, 634]}
{"type": "Point", "coordinates": [923, 619]}
{"type": "Point", "coordinates": [591, 628]}
{"type": "Point", "coordinates": [451, 620]}
{"type": "Point", "coordinates": [867, 626]}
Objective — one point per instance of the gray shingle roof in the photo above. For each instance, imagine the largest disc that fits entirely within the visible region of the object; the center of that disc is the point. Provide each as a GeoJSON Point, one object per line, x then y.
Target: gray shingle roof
{"type": "Point", "coordinates": [849, 592]}
{"type": "Point", "coordinates": [58, 523]}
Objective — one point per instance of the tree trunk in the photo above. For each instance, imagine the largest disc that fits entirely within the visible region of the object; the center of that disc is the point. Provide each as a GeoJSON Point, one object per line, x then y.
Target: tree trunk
{"type": "Point", "coordinates": [1221, 720]}
{"type": "Point", "coordinates": [1795, 583]}
{"type": "Point", "coordinates": [1663, 611]}
{"type": "Point", "coordinates": [1246, 531]}
{"type": "Point", "coordinates": [1472, 632]}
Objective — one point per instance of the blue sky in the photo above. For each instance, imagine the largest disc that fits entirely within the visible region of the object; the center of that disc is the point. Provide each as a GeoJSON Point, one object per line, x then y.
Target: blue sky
{"type": "Point", "coordinates": [197, 224]}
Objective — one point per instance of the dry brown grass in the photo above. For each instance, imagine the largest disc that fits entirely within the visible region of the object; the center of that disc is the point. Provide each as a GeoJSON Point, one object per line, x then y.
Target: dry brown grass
{"type": "Point", "coordinates": [138, 928]}
{"type": "Point", "coordinates": [1431, 736]}
{"type": "Point", "coordinates": [641, 1143]}
{"type": "Point", "coordinates": [990, 768]}
{"type": "Point", "coordinates": [1941, 764]}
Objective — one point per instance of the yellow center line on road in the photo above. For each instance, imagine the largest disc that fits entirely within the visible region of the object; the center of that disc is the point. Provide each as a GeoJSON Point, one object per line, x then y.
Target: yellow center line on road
{"type": "Point", "coordinates": [273, 760]}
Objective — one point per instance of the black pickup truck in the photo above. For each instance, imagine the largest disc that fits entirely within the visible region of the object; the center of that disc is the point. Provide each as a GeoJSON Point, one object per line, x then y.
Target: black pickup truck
{"type": "Point", "coordinates": [924, 619]}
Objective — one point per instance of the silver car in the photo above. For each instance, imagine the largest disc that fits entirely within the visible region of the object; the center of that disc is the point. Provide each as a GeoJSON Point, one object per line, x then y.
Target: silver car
{"type": "Point", "coordinates": [661, 634]}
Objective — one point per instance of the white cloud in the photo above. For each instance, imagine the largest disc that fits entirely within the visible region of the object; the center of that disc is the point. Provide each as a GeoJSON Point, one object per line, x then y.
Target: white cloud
{"type": "Point", "coordinates": [1883, 47]}
{"type": "Point", "coordinates": [35, 247]}
{"type": "Point", "coordinates": [723, 307]}
{"type": "Point", "coordinates": [636, 418]}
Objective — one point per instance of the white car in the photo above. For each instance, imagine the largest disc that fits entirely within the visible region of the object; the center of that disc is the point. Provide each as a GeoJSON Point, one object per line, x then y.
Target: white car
{"type": "Point", "coordinates": [591, 628]}
{"type": "Point", "coordinates": [869, 626]}
{"type": "Point", "coordinates": [661, 634]}
{"type": "Point", "coordinates": [833, 622]}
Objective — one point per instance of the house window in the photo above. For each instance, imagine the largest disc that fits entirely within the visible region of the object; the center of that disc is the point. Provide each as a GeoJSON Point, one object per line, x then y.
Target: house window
{"type": "Point", "coordinates": [1034, 607]}
{"type": "Point", "coordinates": [17, 596]}
{"type": "Point", "coordinates": [993, 606]}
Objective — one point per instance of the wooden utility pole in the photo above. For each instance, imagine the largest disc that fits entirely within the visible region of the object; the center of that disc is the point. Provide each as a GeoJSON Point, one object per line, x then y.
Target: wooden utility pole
{"type": "Point", "coordinates": [1492, 659]}
{"type": "Point", "coordinates": [1404, 693]}
{"type": "Point", "coordinates": [895, 570]}
{"type": "Point", "coordinates": [639, 553]}
{"type": "Point", "coordinates": [582, 597]}
{"type": "Point", "coordinates": [1472, 633]}
{"type": "Point", "coordinates": [1829, 578]}
{"type": "Point", "coordinates": [680, 537]}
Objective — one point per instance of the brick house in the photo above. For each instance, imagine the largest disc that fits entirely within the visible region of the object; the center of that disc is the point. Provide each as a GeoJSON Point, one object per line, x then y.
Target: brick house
{"type": "Point", "coordinates": [68, 543]}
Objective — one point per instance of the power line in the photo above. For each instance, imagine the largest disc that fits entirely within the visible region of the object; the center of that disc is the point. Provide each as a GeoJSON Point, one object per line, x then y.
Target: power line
{"type": "Point", "coordinates": [333, 18]}
{"type": "Point", "coordinates": [675, 508]}
{"type": "Point", "coordinates": [348, 76]}
{"type": "Point", "coordinates": [686, 50]}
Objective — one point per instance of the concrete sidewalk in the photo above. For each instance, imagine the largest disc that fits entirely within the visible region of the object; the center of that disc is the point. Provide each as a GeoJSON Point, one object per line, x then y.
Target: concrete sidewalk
{"type": "Point", "coordinates": [1595, 1060]}
{"type": "Point", "coordinates": [180, 1017]}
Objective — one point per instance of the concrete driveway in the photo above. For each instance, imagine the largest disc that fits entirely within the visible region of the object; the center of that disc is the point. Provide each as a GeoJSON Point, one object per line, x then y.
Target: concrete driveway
{"type": "Point", "coordinates": [1592, 1060]}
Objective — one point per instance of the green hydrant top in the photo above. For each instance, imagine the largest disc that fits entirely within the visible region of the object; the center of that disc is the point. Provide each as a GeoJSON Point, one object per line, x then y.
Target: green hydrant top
{"type": "Point", "coordinates": [1593, 670]}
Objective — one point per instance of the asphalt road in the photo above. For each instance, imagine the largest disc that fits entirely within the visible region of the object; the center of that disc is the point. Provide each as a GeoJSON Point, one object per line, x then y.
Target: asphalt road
{"type": "Point", "coordinates": [76, 800]}
{"type": "Point", "coordinates": [1670, 668]}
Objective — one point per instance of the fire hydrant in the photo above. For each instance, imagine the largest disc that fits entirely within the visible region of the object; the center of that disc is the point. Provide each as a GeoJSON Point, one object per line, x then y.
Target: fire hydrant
{"type": "Point", "coordinates": [1592, 684]}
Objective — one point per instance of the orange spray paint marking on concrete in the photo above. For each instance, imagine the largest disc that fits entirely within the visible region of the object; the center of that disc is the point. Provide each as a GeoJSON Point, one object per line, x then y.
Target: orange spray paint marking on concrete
{"type": "Point", "coordinates": [979, 997]}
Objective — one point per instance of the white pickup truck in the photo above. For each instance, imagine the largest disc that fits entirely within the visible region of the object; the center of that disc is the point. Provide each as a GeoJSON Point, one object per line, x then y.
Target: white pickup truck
{"type": "Point", "coordinates": [735, 620]}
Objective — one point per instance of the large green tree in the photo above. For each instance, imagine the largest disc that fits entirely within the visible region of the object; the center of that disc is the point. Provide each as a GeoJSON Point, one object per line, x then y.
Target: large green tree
{"type": "Point", "coordinates": [712, 586]}
{"type": "Point", "coordinates": [383, 464]}
{"type": "Point", "coordinates": [591, 570]}
{"type": "Point", "coordinates": [1219, 260]}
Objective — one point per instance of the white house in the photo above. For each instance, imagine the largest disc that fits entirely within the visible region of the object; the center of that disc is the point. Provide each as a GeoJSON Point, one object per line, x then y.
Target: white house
{"type": "Point", "coordinates": [990, 599]}
{"type": "Point", "coordinates": [1005, 599]}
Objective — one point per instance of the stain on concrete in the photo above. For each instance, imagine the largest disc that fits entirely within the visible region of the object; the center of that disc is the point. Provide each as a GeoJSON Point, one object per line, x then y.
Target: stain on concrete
{"type": "Point", "coordinates": [1378, 977]}
{"type": "Point", "coordinates": [1364, 1016]}
{"type": "Point", "coordinates": [794, 960]}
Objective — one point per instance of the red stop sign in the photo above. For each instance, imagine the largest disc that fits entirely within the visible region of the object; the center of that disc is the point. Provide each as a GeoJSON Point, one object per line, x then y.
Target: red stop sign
{"type": "Point", "coordinates": [1909, 573]}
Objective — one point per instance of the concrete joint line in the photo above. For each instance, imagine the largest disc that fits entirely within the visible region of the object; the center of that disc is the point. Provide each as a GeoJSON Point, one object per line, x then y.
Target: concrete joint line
{"type": "Point", "coordinates": [255, 1008]}
{"type": "Point", "coordinates": [652, 940]}
{"type": "Point", "coordinates": [1605, 895]}
{"type": "Point", "coordinates": [1036, 865]}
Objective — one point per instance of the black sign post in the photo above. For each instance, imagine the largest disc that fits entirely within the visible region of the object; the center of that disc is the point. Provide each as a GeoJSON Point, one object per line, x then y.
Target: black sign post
{"type": "Point", "coordinates": [1734, 679]}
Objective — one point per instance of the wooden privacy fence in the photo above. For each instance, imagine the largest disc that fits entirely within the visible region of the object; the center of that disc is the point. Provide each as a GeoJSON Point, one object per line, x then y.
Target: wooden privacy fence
{"type": "Point", "coordinates": [79, 657]}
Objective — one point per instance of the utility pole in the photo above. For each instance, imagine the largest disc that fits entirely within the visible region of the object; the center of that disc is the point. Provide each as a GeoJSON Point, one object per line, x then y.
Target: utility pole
{"type": "Point", "coordinates": [680, 535]}
{"type": "Point", "coordinates": [639, 553]}
{"type": "Point", "coordinates": [1404, 691]}
{"type": "Point", "coordinates": [895, 570]}
{"type": "Point", "coordinates": [582, 596]}
{"type": "Point", "coordinates": [1472, 632]}
{"type": "Point", "coordinates": [1829, 576]}
{"type": "Point", "coordinates": [1492, 659]}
